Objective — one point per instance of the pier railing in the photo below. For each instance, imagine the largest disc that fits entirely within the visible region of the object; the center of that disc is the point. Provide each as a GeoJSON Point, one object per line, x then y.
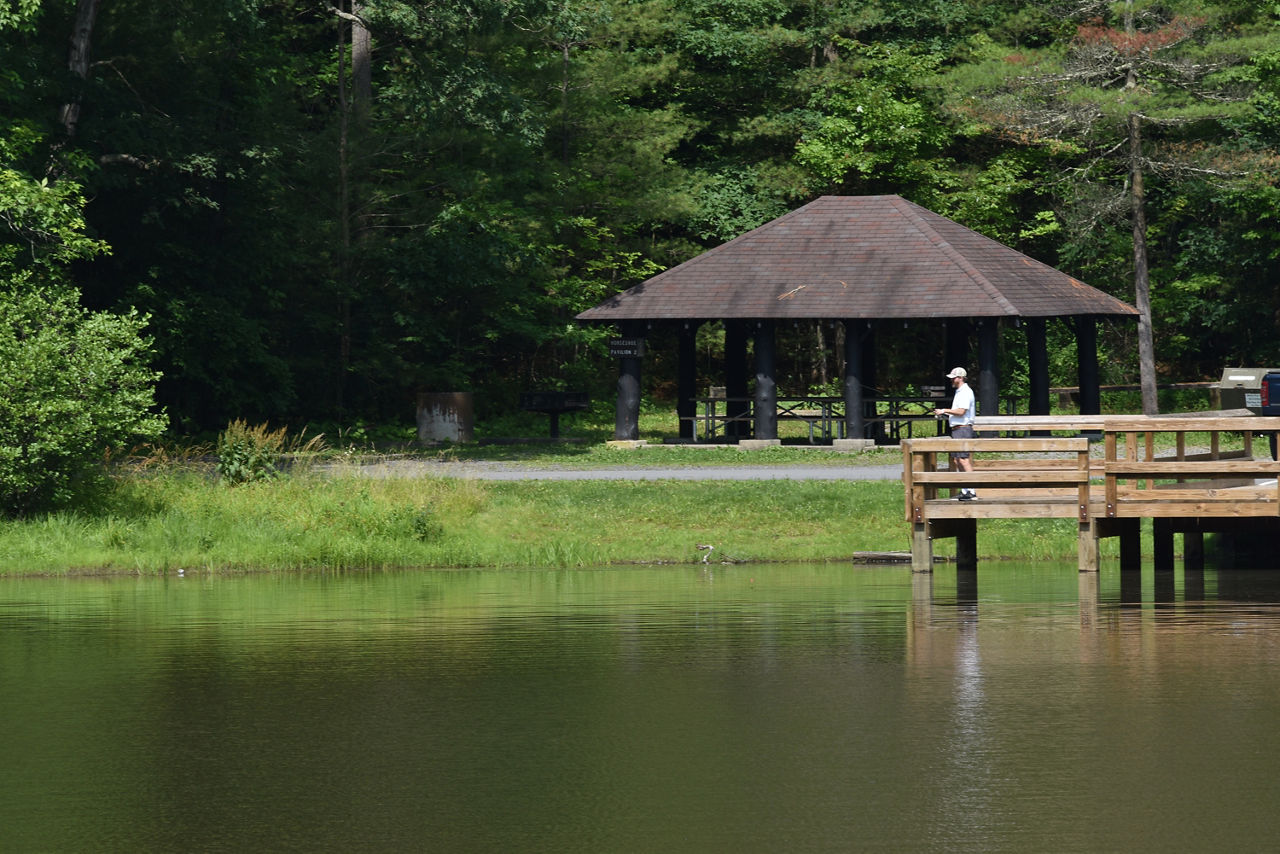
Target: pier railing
{"type": "Point", "coordinates": [1036, 474]}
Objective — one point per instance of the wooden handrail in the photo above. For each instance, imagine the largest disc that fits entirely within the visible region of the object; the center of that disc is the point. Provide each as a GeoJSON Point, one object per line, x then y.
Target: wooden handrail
{"type": "Point", "coordinates": [943, 444]}
{"type": "Point", "coordinates": [1169, 468]}
{"type": "Point", "coordinates": [1040, 476]}
{"type": "Point", "coordinates": [921, 479]}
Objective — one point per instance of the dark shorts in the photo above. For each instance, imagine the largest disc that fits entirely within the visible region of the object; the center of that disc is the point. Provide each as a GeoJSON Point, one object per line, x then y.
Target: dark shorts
{"type": "Point", "coordinates": [962, 431]}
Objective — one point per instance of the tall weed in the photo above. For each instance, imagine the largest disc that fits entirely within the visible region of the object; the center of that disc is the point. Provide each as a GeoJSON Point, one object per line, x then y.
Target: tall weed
{"type": "Point", "coordinates": [254, 454]}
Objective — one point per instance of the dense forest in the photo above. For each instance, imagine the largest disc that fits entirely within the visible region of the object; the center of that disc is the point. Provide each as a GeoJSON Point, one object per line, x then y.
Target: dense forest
{"type": "Point", "coordinates": [326, 207]}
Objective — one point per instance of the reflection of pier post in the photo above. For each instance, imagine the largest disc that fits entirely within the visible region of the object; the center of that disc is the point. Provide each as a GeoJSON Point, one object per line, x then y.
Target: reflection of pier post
{"type": "Point", "coordinates": [1163, 589]}
{"type": "Point", "coordinates": [1088, 594]}
{"type": "Point", "coordinates": [918, 632]}
{"type": "Point", "coordinates": [1193, 583]}
{"type": "Point", "coordinates": [1131, 588]}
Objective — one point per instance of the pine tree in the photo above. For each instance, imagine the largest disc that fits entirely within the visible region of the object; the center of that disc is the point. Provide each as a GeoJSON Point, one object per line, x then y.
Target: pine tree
{"type": "Point", "coordinates": [1132, 90]}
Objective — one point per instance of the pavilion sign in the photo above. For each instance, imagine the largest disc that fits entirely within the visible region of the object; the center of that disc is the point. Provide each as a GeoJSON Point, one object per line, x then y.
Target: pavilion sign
{"type": "Point", "coordinates": [626, 348]}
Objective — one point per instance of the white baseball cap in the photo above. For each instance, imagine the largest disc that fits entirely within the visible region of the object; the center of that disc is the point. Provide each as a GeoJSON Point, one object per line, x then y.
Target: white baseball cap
{"type": "Point", "coordinates": [956, 372]}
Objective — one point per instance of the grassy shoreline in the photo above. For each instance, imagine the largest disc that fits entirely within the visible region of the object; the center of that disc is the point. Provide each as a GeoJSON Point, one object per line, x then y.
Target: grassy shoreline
{"type": "Point", "coordinates": [171, 518]}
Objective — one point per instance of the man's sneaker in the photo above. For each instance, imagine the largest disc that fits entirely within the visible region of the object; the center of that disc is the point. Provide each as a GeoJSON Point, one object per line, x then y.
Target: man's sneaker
{"type": "Point", "coordinates": [967, 495]}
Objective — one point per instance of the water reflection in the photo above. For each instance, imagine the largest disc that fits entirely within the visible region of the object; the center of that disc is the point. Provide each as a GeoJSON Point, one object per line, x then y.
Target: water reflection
{"type": "Point", "coordinates": [765, 708]}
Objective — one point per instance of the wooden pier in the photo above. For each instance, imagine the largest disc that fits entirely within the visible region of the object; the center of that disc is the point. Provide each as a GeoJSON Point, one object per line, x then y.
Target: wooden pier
{"type": "Point", "coordinates": [1035, 467]}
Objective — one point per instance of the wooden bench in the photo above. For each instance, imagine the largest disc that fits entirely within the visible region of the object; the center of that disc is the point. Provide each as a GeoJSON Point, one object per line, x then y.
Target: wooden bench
{"type": "Point", "coordinates": [554, 403]}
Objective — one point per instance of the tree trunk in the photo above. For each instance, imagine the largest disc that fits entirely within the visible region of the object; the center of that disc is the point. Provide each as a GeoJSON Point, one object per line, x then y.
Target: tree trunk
{"type": "Point", "coordinates": [1138, 210]}
{"type": "Point", "coordinates": [78, 62]}
{"type": "Point", "coordinates": [564, 102]}
{"type": "Point", "coordinates": [344, 225]}
{"type": "Point", "coordinates": [361, 61]}
{"type": "Point", "coordinates": [819, 373]}
{"type": "Point", "coordinates": [1141, 279]}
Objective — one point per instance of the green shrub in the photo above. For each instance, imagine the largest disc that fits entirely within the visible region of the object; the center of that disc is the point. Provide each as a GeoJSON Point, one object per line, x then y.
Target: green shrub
{"type": "Point", "coordinates": [73, 384]}
{"type": "Point", "coordinates": [249, 454]}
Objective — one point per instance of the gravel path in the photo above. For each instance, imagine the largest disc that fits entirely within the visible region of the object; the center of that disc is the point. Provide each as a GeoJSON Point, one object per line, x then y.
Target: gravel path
{"type": "Point", "coordinates": [505, 471]}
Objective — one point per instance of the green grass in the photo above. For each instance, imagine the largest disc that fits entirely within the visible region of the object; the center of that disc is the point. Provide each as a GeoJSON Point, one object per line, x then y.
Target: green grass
{"type": "Point", "coordinates": [168, 519]}
{"type": "Point", "coordinates": [167, 513]}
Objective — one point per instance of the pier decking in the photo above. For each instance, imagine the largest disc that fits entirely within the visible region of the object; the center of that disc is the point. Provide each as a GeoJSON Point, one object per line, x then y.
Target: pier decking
{"type": "Point", "coordinates": [1031, 473]}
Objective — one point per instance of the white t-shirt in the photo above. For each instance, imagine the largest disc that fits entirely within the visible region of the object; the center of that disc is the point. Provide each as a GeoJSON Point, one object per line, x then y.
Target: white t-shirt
{"type": "Point", "coordinates": [962, 400]}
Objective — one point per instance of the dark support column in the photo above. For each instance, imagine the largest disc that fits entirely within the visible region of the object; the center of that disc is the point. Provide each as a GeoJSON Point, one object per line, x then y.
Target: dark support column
{"type": "Point", "coordinates": [1192, 551]}
{"type": "Point", "coordinates": [766, 386]}
{"type": "Point", "coordinates": [1162, 544]}
{"type": "Point", "coordinates": [956, 346]}
{"type": "Point", "coordinates": [627, 422]}
{"type": "Point", "coordinates": [1130, 544]}
{"type": "Point", "coordinates": [735, 377]}
{"type": "Point", "coordinates": [687, 379]}
{"type": "Point", "coordinates": [1038, 366]}
{"type": "Point", "coordinates": [1087, 365]}
{"type": "Point", "coordinates": [988, 369]}
{"type": "Point", "coordinates": [854, 332]}
{"type": "Point", "coordinates": [870, 382]}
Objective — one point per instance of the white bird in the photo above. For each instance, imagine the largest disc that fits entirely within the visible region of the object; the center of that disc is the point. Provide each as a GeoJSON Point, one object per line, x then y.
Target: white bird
{"type": "Point", "coordinates": [706, 548]}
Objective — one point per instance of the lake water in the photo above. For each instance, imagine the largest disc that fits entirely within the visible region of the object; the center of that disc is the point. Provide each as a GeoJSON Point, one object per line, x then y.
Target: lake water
{"type": "Point", "coordinates": [675, 709]}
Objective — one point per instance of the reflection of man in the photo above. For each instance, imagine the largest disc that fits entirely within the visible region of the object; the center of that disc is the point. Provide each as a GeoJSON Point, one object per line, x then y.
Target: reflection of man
{"type": "Point", "coordinates": [960, 418]}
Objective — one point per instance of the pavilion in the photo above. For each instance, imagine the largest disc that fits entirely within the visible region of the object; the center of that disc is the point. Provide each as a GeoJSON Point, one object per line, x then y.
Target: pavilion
{"type": "Point", "coordinates": [861, 261]}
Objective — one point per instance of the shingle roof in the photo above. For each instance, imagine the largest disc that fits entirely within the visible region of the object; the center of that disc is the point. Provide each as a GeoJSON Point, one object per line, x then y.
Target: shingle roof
{"type": "Point", "coordinates": [858, 257]}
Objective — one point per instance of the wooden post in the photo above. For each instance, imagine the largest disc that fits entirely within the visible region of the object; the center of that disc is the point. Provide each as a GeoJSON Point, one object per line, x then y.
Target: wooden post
{"type": "Point", "coordinates": [1087, 546]}
{"type": "Point", "coordinates": [921, 548]}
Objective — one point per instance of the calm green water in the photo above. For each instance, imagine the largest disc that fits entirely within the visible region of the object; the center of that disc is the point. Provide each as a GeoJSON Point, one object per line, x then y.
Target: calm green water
{"type": "Point", "coordinates": [772, 709]}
